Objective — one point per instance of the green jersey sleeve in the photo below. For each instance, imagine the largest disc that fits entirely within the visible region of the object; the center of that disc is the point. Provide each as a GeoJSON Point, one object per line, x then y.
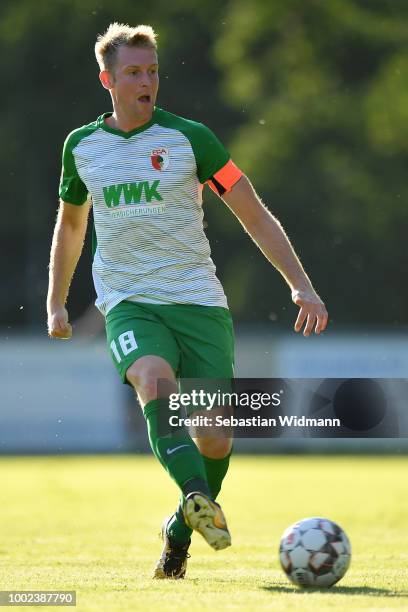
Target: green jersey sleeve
{"type": "Point", "coordinates": [71, 189]}
{"type": "Point", "coordinates": [210, 154]}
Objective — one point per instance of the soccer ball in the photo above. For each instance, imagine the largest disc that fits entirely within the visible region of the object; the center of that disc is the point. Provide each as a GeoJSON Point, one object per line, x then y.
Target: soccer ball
{"type": "Point", "coordinates": [315, 552]}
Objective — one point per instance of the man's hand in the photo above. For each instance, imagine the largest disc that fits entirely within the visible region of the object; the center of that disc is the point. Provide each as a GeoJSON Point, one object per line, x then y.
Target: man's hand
{"type": "Point", "coordinates": [58, 324]}
{"type": "Point", "coordinates": [312, 310]}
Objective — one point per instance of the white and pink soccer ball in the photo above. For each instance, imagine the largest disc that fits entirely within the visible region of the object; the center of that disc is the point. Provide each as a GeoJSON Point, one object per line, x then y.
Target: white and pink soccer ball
{"type": "Point", "coordinates": [315, 552]}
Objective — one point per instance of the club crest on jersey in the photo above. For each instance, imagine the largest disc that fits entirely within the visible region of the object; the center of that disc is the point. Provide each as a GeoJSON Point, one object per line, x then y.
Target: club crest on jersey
{"type": "Point", "coordinates": [160, 158]}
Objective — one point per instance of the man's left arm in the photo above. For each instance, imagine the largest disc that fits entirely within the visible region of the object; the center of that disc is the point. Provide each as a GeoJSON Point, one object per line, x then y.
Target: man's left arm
{"type": "Point", "coordinates": [270, 237]}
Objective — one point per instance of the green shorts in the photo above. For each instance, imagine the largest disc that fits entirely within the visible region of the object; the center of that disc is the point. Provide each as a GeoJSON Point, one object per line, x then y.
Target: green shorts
{"type": "Point", "coordinates": [197, 341]}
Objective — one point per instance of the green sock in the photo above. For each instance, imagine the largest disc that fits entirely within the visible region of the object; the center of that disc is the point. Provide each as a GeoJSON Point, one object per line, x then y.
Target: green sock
{"type": "Point", "coordinates": [177, 529]}
{"type": "Point", "coordinates": [175, 449]}
{"type": "Point", "coordinates": [216, 470]}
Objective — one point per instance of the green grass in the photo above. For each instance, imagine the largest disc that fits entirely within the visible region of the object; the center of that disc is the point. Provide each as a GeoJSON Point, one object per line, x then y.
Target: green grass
{"type": "Point", "coordinates": [90, 524]}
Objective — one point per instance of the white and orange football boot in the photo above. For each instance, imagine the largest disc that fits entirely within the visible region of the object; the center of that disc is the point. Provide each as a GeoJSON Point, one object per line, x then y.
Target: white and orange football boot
{"type": "Point", "coordinates": [205, 516]}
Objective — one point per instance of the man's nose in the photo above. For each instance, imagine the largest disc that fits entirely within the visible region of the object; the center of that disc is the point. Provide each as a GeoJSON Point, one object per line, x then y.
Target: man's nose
{"type": "Point", "coordinates": [145, 79]}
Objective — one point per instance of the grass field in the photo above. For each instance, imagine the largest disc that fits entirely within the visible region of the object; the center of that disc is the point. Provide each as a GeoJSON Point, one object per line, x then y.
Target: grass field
{"type": "Point", "coordinates": [90, 524]}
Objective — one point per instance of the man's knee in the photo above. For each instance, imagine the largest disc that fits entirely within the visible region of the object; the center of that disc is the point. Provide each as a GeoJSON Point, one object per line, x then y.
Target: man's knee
{"type": "Point", "coordinates": [214, 448]}
{"type": "Point", "coordinates": [144, 375]}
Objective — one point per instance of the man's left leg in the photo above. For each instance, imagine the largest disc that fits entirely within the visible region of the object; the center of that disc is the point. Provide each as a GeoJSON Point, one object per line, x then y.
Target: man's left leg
{"type": "Point", "coordinates": [196, 509]}
{"type": "Point", "coordinates": [216, 453]}
{"type": "Point", "coordinates": [205, 336]}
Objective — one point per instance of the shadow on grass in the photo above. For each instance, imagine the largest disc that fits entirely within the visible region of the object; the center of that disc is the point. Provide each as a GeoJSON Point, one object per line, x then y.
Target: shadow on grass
{"type": "Point", "coordinates": [340, 590]}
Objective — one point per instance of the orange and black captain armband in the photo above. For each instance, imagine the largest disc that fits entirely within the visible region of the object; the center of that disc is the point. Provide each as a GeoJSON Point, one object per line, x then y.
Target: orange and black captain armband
{"type": "Point", "coordinates": [224, 180]}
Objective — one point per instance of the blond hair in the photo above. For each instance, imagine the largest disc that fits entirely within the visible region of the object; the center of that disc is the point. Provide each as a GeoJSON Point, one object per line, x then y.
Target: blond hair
{"type": "Point", "coordinates": [119, 34]}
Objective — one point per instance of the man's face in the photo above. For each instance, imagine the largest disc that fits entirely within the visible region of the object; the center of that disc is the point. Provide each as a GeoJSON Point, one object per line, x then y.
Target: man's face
{"type": "Point", "coordinates": [134, 80]}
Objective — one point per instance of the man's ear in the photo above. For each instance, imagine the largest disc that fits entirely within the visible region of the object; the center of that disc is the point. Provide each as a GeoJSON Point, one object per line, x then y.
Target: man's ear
{"type": "Point", "coordinates": [106, 79]}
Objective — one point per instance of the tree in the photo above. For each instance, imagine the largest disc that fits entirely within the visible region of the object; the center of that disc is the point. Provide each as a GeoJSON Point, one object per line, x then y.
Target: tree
{"type": "Point", "coordinates": [323, 91]}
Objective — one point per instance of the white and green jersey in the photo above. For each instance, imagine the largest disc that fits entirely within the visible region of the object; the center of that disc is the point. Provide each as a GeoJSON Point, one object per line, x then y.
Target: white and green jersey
{"type": "Point", "coordinates": [146, 188]}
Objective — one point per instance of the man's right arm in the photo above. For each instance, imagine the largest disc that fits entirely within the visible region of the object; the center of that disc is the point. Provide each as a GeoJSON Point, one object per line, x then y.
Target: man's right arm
{"type": "Point", "coordinates": [67, 243]}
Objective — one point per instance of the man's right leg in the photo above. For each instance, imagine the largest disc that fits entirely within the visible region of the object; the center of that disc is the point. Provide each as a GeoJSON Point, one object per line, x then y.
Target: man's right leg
{"type": "Point", "coordinates": [174, 448]}
{"type": "Point", "coordinates": [216, 453]}
{"type": "Point", "coordinates": [144, 350]}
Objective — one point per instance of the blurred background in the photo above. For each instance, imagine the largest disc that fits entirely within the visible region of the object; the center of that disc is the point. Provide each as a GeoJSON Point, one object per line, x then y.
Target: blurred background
{"type": "Point", "coordinates": [311, 99]}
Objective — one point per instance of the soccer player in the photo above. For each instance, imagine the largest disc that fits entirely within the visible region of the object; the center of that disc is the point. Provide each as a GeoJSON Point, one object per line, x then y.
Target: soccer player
{"type": "Point", "coordinates": [166, 314]}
